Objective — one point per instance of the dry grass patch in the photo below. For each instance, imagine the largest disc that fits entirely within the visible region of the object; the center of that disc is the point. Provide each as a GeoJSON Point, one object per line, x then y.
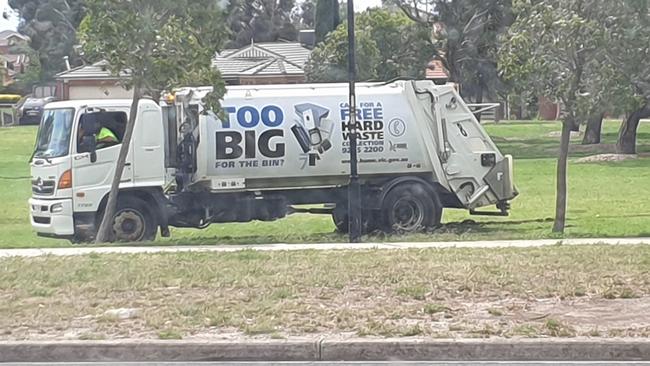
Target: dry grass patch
{"type": "Point", "coordinates": [553, 291]}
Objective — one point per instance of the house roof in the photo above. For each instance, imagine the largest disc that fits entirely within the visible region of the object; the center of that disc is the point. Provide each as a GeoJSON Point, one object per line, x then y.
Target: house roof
{"type": "Point", "coordinates": [258, 59]}
{"type": "Point", "coordinates": [8, 33]}
{"type": "Point", "coordinates": [97, 71]}
{"type": "Point", "coordinates": [436, 70]}
{"type": "Point", "coordinates": [263, 59]}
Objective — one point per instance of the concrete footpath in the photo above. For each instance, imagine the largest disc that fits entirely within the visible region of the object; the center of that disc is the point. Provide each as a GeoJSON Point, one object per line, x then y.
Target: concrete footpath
{"type": "Point", "coordinates": [325, 246]}
{"type": "Point", "coordinates": [548, 350]}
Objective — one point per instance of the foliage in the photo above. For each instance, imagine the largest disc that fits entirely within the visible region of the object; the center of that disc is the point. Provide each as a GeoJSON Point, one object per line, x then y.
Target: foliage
{"type": "Point", "coordinates": [628, 32]}
{"type": "Point", "coordinates": [260, 21]}
{"type": "Point", "coordinates": [51, 26]}
{"type": "Point", "coordinates": [326, 18]}
{"type": "Point", "coordinates": [403, 44]}
{"type": "Point", "coordinates": [388, 45]}
{"type": "Point", "coordinates": [304, 15]}
{"type": "Point", "coordinates": [465, 33]}
{"type": "Point", "coordinates": [553, 47]}
{"type": "Point", "coordinates": [159, 46]}
{"type": "Point", "coordinates": [162, 45]}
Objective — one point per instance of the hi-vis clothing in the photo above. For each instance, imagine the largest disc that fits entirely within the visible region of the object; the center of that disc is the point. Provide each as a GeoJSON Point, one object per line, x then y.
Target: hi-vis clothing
{"type": "Point", "coordinates": [106, 135]}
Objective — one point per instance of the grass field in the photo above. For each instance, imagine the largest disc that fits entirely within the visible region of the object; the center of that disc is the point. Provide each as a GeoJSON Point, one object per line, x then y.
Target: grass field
{"type": "Point", "coordinates": [605, 199]}
{"type": "Point", "coordinates": [556, 291]}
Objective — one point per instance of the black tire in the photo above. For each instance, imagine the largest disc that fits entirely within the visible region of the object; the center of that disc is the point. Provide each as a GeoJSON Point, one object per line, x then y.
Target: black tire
{"type": "Point", "coordinates": [409, 208]}
{"type": "Point", "coordinates": [340, 219]}
{"type": "Point", "coordinates": [133, 221]}
{"type": "Point", "coordinates": [342, 222]}
{"type": "Point", "coordinates": [82, 238]}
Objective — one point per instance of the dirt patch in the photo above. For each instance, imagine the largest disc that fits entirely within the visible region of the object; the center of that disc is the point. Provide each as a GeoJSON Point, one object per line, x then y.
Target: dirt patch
{"type": "Point", "coordinates": [605, 158]}
{"type": "Point", "coordinates": [454, 293]}
{"type": "Point", "coordinates": [574, 134]}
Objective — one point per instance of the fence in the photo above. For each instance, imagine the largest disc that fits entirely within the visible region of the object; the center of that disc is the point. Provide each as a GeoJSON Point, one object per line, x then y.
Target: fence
{"type": "Point", "coordinates": [8, 115]}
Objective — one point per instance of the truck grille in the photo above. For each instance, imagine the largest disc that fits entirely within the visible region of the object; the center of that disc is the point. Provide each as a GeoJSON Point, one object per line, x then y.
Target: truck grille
{"type": "Point", "coordinates": [43, 187]}
{"type": "Point", "coordinates": [42, 220]}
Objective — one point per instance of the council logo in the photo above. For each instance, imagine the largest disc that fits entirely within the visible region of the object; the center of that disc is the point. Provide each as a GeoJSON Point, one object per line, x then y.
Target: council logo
{"type": "Point", "coordinates": [397, 127]}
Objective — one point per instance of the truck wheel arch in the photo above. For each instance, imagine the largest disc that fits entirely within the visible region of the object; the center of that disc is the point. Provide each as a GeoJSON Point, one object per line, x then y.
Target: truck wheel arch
{"type": "Point", "coordinates": [429, 187]}
{"type": "Point", "coordinates": [152, 196]}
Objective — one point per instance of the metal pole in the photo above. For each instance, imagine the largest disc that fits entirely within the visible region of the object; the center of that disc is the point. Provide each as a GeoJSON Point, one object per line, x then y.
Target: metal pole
{"type": "Point", "coordinates": [354, 189]}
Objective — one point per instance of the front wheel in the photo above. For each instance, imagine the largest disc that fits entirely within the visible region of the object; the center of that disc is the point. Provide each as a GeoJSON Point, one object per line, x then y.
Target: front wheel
{"type": "Point", "coordinates": [410, 208]}
{"type": "Point", "coordinates": [133, 221]}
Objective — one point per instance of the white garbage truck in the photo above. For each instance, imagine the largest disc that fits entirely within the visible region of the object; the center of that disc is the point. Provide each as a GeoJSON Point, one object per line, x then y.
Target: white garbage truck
{"type": "Point", "coordinates": [272, 151]}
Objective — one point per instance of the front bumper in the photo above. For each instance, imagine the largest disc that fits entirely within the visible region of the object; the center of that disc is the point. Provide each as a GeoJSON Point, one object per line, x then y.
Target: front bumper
{"type": "Point", "coordinates": [52, 217]}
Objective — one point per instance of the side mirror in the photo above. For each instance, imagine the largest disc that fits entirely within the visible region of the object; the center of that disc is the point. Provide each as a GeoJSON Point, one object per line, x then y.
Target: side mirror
{"type": "Point", "coordinates": [89, 144]}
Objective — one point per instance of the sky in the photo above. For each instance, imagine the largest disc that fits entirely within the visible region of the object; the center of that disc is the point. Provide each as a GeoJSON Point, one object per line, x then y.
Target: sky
{"type": "Point", "coordinates": [12, 22]}
{"type": "Point", "coordinates": [361, 5]}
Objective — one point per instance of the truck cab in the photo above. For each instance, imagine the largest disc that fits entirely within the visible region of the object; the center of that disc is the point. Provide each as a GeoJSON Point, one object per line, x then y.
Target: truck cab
{"type": "Point", "coordinates": [71, 179]}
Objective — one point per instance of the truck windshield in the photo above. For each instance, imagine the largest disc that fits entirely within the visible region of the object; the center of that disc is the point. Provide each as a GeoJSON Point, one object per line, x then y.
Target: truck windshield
{"type": "Point", "coordinates": [54, 133]}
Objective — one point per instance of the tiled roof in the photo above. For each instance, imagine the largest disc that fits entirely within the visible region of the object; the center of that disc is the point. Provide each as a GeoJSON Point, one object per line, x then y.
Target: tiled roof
{"type": "Point", "coordinates": [275, 58]}
{"type": "Point", "coordinates": [436, 70]}
{"type": "Point", "coordinates": [271, 58]}
{"type": "Point", "coordinates": [98, 70]}
{"type": "Point", "coordinates": [8, 33]}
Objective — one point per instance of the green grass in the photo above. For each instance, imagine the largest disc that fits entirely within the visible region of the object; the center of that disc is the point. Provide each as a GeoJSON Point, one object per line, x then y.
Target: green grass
{"type": "Point", "coordinates": [605, 199]}
{"type": "Point", "coordinates": [440, 293]}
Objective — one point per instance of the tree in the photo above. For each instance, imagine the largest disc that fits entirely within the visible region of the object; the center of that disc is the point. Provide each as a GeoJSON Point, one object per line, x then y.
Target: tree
{"type": "Point", "coordinates": [606, 92]}
{"type": "Point", "coordinates": [390, 45]}
{"type": "Point", "coordinates": [328, 61]}
{"type": "Point", "coordinates": [162, 45]}
{"type": "Point", "coordinates": [549, 46]}
{"type": "Point", "coordinates": [51, 26]}
{"type": "Point", "coordinates": [466, 39]}
{"type": "Point", "coordinates": [628, 33]}
{"type": "Point", "coordinates": [326, 18]}
{"type": "Point", "coordinates": [304, 15]}
{"type": "Point", "coordinates": [260, 21]}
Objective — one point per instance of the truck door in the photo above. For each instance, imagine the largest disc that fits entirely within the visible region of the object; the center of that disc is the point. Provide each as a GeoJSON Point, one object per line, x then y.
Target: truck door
{"type": "Point", "coordinates": [148, 147]}
{"type": "Point", "coordinates": [92, 180]}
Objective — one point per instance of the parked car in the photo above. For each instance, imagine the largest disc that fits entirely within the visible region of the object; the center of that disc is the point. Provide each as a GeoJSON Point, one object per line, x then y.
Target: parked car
{"type": "Point", "coordinates": [30, 112]}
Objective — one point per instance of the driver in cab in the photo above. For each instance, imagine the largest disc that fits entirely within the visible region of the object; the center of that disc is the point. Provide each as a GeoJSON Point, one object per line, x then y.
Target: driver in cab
{"type": "Point", "coordinates": [105, 137]}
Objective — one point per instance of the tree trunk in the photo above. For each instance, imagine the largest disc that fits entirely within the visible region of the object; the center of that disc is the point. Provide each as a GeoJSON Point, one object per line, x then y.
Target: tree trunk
{"type": "Point", "coordinates": [479, 100]}
{"type": "Point", "coordinates": [594, 128]}
{"type": "Point", "coordinates": [104, 233]}
{"type": "Point", "coordinates": [561, 187]}
{"type": "Point", "coordinates": [626, 143]}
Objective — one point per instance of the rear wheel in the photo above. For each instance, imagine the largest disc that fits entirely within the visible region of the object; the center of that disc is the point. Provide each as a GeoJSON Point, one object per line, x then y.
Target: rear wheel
{"type": "Point", "coordinates": [133, 221]}
{"type": "Point", "coordinates": [409, 208]}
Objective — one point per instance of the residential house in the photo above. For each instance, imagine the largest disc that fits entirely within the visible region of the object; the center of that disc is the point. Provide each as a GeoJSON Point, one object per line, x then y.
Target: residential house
{"type": "Point", "coordinates": [13, 63]}
{"type": "Point", "coordinates": [91, 82]}
{"type": "Point", "coordinates": [257, 63]}
{"type": "Point", "coordinates": [9, 39]}
{"type": "Point", "coordinates": [263, 63]}
{"type": "Point", "coordinates": [437, 72]}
